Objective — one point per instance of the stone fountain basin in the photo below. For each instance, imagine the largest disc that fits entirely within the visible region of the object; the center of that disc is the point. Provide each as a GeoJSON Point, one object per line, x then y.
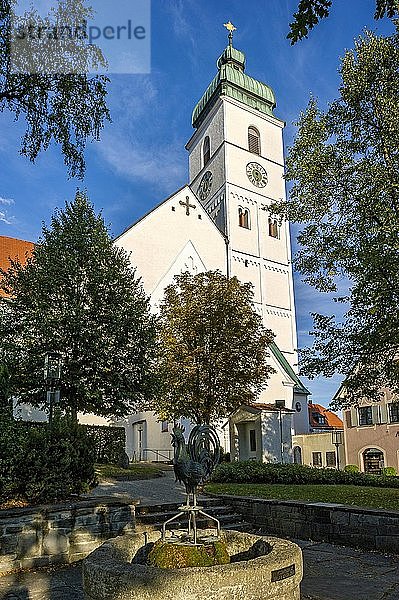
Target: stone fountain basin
{"type": "Point", "coordinates": [264, 568]}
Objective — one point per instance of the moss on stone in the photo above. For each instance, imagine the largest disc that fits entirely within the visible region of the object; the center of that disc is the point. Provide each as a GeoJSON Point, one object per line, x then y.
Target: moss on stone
{"type": "Point", "coordinates": [167, 555]}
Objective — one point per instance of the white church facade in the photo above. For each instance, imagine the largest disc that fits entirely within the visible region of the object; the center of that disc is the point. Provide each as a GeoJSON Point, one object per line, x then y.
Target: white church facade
{"type": "Point", "coordinates": [221, 220]}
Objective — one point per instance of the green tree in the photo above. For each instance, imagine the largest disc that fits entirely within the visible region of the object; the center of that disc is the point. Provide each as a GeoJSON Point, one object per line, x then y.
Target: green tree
{"type": "Point", "coordinates": [344, 167]}
{"type": "Point", "coordinates": [78, 295]}
{"type": "Point", "coordinates": [310, 12]}
{"type": "Point", "coordinates": [59, 101]}
{"type": "Point", "coordinates": [5, 390]}
{"type": "Point", "coordinates": [212, 348]}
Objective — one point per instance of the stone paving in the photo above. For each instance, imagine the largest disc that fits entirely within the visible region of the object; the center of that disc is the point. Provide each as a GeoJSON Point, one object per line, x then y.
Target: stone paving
{"type": "Point", "coordinates": [330, 572]}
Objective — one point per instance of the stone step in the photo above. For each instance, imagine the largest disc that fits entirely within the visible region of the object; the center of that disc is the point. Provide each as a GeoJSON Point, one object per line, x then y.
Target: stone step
{"type": "Point", "coordinates": [239, 526]}
{"type": "Point", "coordinates": [224, 519]}
{"type": "Point", "coordinates": [151, 517]}
{"type": "Point", "coordinates": [154, 517]}
{"type": "Point", "coordinates": [230, 521]}
{"type": "Point", "coordinates": [207, 503]}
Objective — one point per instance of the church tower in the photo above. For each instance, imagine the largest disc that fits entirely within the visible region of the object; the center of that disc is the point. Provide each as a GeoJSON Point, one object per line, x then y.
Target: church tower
{"type": "Point", "coordinates": [236, 160]}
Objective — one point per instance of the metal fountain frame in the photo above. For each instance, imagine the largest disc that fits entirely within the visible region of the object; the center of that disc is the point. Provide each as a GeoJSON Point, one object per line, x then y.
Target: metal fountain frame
{"type": "Point", "coordinates": [194, 510]}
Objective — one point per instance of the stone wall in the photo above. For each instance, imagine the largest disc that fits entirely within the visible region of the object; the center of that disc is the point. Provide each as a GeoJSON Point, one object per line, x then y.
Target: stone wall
{"type": "Point", "coordinates": [62, 533]}
{"type": "Point", "coordinates": [373, 529]}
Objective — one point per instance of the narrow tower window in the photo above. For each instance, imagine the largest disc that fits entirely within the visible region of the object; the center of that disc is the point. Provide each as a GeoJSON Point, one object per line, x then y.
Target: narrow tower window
{"type": "Point", "coordinates": [273, 228]}
{"type": "Point", "coordinates": [243, 218]}
{"type": "Point", "coordinates": [254, 140]}
{"type": "Point", "coordinates": [206, 150]}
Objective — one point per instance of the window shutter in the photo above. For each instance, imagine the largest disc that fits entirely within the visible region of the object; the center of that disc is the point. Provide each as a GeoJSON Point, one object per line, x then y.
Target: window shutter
{"type": "Point", "coordinates": [206, 151]}
{"type": "Point", "coordinates": [383, 413]}
{"type": "Point", "coordinates": [253, 140]}
{"type": "Point", "coordinates": [354, 416]}
{"type": "Point", "coordinates": [348, 418]}
{"type": "Point", "coordinates": [374, 412]}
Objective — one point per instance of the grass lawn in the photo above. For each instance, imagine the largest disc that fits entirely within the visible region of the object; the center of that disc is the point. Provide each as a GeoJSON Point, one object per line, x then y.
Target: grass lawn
{"type": "Point", "coordinates": [354, 495]}
{"type": "Point", "coordinates": [134, 472]}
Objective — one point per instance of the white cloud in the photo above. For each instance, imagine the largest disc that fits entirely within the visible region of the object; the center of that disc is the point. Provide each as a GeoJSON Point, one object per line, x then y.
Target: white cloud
{"type": "Point", "coordinates": [141, 144]}
{"type": "Point", "coordinates": [6, 201]}
{"type": "Point", "coordinates": [4, 218]}
{"type": "Point", "coordinates": [181, 25]}
{"type": "Point", "coordinates": [159, 165]}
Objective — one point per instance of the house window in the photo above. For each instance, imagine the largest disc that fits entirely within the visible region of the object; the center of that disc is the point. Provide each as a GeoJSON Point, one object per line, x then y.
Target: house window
{"type": "Point", "coordinates": [318, 418]}
{"type": "Point", "coordinates": [273, 228]}
{"type": "Point", "coordinates": [243, 218]}
{"type": "Point", "coordinates": [254, 140]}
{"type": "Point", "coordinates": [164, 426]}
{"type": "Point", "coordinates": [252, 440]}
{"type": "Point", "coordinates": [393, 411]}
{"type": "Point", "coordinates": [206, 151]}
{"type": "Point", "coordinates": [365, 415]}
{"type": "Point", "coordinates": [331, 459]}
{"type": "Point", "coordinates": [316, 459]}
{"type": "Point", "coordinates": [297, 455]}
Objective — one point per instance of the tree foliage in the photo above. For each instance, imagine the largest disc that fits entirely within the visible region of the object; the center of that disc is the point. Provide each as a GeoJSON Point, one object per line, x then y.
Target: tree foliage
{"type": "Point", "coordinates": [78, 295]}
{"type": "Point", "coordinates": [212, 347]}
{"type": "Point", "coordinates": [60, 103]}
{"type": "Point", "coordinates": [344, 166]}
{"type": "Point", "coordinates": [310, 12]}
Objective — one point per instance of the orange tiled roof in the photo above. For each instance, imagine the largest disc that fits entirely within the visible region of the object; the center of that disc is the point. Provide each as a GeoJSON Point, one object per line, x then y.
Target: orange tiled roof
{"type": "Point", "coordinates": [332, 421]}
{"type": "Point", "coordinates": [13, 248]}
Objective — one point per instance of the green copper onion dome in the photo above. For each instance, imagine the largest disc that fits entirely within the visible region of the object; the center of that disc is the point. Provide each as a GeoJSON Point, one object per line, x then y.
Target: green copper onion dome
{"type": "Point", "coordinates": [233, 82]}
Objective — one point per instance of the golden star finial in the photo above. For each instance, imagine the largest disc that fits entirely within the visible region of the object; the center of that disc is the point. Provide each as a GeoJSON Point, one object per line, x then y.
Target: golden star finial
{"type": "Point", "coordinates": [230, 26]}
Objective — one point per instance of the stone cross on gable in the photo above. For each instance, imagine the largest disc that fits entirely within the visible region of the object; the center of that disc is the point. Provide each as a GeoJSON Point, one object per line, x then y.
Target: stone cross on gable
{"type": "Point", "coordinates": [187, 205]}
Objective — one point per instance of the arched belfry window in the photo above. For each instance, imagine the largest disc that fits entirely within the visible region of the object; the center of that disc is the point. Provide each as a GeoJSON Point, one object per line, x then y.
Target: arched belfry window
{"type": "Point", "coordinates": [273, 228]}
{"type": "Point", "coordinates": [244, 218]}
{"type": "Point", "coordinates": [206, 151]}
{"type": "Point", "coordinates": [254, 140]}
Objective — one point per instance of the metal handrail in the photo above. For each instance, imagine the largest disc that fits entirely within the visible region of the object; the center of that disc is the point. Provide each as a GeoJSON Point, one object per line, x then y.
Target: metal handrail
{"type": "Point", "coordinates": [158, 453]}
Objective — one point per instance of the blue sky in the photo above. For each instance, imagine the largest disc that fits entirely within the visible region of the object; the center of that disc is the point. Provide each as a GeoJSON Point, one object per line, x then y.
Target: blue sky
{"type": "Point", "coordinates": [141, 157]}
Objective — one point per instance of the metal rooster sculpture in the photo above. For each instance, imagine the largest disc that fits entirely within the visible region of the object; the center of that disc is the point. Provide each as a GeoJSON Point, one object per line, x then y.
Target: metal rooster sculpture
{"type": "Point", "coordinates": [193, 465]}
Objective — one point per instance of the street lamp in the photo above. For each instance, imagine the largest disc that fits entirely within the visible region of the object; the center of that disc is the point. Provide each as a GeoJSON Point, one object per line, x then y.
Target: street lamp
{"type": "Point", "coordinates": [337, 438]}
{"type": "Point", "coordinates": [53, 362]}
{"type": "Point", "coordinates": [280, 404]}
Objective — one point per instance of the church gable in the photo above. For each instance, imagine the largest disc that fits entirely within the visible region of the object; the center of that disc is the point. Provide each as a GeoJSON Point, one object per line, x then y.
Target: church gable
{"type": "Point", "coordinates": [188, 260]}
{"type": "Point", "coordinates": [177, 229]}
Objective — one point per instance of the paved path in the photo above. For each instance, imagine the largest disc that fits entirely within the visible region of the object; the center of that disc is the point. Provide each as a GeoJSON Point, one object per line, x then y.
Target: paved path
{"type": "Point", "coordinates": [162, 490]}
{"type": "Point", "coordinates": [331, 572]}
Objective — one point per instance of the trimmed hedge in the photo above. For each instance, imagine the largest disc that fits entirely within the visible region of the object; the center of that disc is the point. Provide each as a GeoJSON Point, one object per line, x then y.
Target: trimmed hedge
{"type": "Point", "coordinates": [258, 472]}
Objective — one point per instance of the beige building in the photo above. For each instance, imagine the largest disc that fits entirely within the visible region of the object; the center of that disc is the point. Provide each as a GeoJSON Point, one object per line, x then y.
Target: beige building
{"type": "Point", "coordinates": [317, 448]}
{"type": "Point", "coordinates": [372, 434]}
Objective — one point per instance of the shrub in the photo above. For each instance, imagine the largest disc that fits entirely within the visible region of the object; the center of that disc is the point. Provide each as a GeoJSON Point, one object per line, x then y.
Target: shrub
{"type": "Point", "coordinates": [257, 472]}
{"type": "Point", "coordinates": [9, 449]}
{"type": "Point", "coordinates": [389, 471]}
{"type": "Point", "coordinates": [351, 469]}
{"type": "Point", "coordinates": [109, 442]}
{"type": "Point", "coordinates": [46, 464]}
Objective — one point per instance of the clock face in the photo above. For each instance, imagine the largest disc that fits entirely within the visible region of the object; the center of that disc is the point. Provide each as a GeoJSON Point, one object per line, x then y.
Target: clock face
{"type": "Point", "coordinates": [205, 186]}
{"type": "Point", "coordinates": [257, 174]}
